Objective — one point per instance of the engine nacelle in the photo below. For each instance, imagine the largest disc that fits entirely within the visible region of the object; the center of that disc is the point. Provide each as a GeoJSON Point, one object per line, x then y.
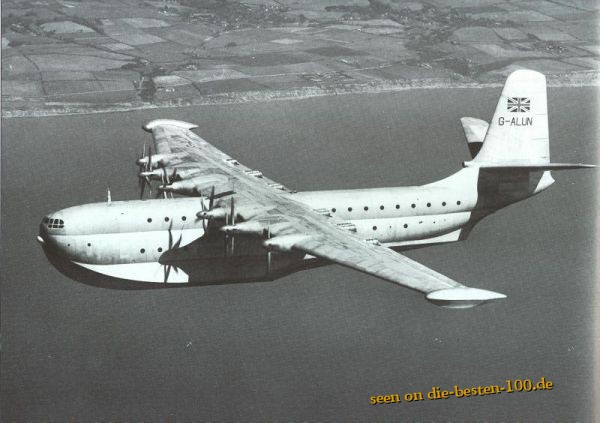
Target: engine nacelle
{"type": "Point", "coordinates": [173, 173]}
{"type": "Point", "coordinates": [199, 185]}
{"type": "Point", "coordinates": [160, 160]}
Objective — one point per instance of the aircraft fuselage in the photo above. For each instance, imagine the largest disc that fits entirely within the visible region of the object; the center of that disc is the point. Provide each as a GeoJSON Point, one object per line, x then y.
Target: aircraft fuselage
{"type": "Point", "coordinates": [163, 241]}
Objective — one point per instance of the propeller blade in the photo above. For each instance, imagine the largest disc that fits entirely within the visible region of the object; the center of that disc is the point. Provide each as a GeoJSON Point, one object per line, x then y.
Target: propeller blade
{"type": "Point", "coordinates": [165, 181]}
{"type": "Point", "coordinates": [142, 185]}
{"type": "Point", "coordinates": [232, 223]}
{"type": "Point", "coordinates": [141, 165]}
{"type": "Point", "coordinates": [147, 180]}
{"type": "Point", "coordinates": [167, 270]}
{"type": "Point", "coordinates": [212, 198]}
{"type": "Point", "coordinates": [203, 209]}
{"type": "Point", "coordinates": [178, 243]}
{"type": "Point", "coordinates": [149, 163]}
{"type": "Point", "coordinates": [268, 251]}
{"type": "Point", "coordinates": [169, 177]}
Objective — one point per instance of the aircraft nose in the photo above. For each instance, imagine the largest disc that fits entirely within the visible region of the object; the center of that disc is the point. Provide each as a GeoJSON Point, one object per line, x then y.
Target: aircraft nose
{"type": "Point", "coordinates": [43, 232]}
{"type": "Point", "coordinates": [49, 227]}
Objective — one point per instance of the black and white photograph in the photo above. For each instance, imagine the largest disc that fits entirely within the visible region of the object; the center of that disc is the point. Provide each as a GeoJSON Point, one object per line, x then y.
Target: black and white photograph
{"type": "Point", "coordinates": [282, 210]}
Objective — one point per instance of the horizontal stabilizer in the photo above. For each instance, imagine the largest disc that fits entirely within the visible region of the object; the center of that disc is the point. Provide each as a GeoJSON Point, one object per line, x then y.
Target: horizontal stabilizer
{"type": "Point", "coordinates": [528, 166]}
{"type": "Point", "coordinates": [475, 129]}
{"type": "Point", "coordinates": [462, 297]}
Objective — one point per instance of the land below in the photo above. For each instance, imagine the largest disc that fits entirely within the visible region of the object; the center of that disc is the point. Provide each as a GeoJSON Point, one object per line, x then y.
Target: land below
{"type": "Point", "coordinates": [80, 56]}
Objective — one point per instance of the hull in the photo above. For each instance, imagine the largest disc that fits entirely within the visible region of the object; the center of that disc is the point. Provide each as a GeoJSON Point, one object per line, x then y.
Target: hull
{"type": "Point", "coordinates": [173, 272]}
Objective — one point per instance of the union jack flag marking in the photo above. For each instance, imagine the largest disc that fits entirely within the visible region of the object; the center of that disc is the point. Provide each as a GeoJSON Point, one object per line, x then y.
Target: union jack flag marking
{"type": "Point", "coordinates": [518, 104]}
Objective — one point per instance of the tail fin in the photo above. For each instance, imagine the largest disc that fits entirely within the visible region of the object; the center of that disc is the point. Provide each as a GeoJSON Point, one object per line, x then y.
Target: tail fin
{"type": "Point", "coordinates": [518, 133]}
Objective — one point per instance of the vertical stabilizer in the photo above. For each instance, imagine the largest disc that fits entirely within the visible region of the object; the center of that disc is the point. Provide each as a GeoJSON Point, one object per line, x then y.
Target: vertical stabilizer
{"type": "Point", "coordinates": [518, 133]}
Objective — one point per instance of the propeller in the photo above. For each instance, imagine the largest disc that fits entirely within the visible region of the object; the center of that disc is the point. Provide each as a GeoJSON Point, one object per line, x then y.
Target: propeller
{"type": "Point", "coordinates": [166, 180]}
{"type": "Point", "coordinates": [167, 267]}
{"type": "Point", "coordinates": [144, 181]}
{"type": "Point", "coordinates": [211, 202]}
{"type": "Point", "coordinates": [144, 164]}
{"type": "Point", "coordinates": [268, 236]}
{"type": "Point", "coordinates": [140, 160]}
{"type": "Point", "coordinates": [229, 236]}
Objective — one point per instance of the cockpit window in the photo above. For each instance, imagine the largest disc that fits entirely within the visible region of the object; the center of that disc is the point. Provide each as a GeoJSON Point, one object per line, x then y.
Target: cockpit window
{"type": "Point", "coordinates": [53, 223]}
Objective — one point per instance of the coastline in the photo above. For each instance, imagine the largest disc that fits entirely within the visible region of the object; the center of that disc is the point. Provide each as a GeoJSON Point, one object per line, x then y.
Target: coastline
{"type": "Point", "coordinates": [580, 79]}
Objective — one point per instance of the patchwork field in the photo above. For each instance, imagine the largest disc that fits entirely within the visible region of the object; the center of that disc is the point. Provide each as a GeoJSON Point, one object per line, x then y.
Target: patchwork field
{"type": "Point", "coordinates": [343, 45]}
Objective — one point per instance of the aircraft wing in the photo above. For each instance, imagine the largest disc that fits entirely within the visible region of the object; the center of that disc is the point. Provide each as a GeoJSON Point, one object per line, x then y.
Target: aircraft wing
{"type": "Point", "coordinates": [288, 225]}
{"type": "Point", "coordinates": [176, 138]}
{"type": "Point", "coordinates": [369, 257]}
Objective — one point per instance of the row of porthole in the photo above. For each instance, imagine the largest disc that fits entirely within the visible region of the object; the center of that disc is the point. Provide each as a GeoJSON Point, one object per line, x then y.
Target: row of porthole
{"type": "Point", "coordinates": [413, 205]}
{"type": "Point", "coordinates": [143, 250]}
{"type": "Point", "coordinates": [149, 220]}
{"type": "Point", "coordinates": [405, 226]}
{"type": "Point", "coordinates": [160, 250]}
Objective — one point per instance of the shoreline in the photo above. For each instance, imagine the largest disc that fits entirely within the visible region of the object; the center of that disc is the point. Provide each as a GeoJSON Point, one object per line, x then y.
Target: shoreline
{"type": "Point", "coordinates": [587, 79]}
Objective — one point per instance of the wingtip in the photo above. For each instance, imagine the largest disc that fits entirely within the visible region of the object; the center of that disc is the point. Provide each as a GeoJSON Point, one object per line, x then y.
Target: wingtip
{"type": "Point", "coordinates": [167, 122]}
{"type": "Point", "coordinates": [463, 297]}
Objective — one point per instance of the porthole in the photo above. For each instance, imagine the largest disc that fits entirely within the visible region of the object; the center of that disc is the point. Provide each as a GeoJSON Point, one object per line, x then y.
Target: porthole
{"type": "Point", "coordinates": [458, 203]}
{"type": "Point", "coordinates": [89, 244]}
{"type": "Point", "coordinates": [381, 207]}
{"type": "Point", "coordinates": [405, 225]}
{"type": "Point", "coordinates": [349, 209]}
{"type": "Point", "coordinates": [366, 208]}
{"type": "Point", "coordinates": [374, 228]}
{"type": "Point", "coordinates": [149, 220]}
{"type": "Point", "coordinates": [397, 206]}
{"type": "Point", "coordinates": [444, 204]}
{"type": "Point", "coordinates": [142, 251]}
{"type": "Point", "coordinates": [333, 210]}
{"type": "Point", "coordinates": [160, 249]}
{"type": "Point", "coordinates": [166, 219]}
{"type": "Point", "coordinates": [428, 204]}
{"type": "Point", "coordinates": [183, 218]}
{"type": "Point", "coordinates": [68, 245]}
{"type": "Point", "coordinates": [413, 205]}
